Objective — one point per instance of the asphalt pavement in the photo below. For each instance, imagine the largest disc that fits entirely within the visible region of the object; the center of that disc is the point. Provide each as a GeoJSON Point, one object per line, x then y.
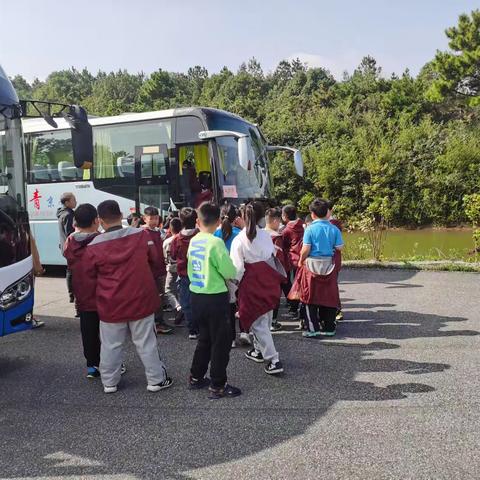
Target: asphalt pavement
{"type": "Point", "coordinates": [395, 395]}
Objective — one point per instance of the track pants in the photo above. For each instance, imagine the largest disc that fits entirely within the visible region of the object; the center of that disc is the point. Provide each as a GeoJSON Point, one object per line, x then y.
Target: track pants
{"type": "Point", "coordinates": [171, 290]}
{"type": "Point", "coordinates": [90, 328]}
{"type": "Point", "coordinates": [318, 313]}
{"type": "Point", "coordinates": [212, 314]}
{"type": "Point", "coordinates": [262, 337]}
{"type": "Point", "coordinates": [142, 333]}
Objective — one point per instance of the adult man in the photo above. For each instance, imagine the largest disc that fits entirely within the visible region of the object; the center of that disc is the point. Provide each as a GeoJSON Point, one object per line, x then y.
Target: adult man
{"type": "Point", "coordinates": [65, 228]}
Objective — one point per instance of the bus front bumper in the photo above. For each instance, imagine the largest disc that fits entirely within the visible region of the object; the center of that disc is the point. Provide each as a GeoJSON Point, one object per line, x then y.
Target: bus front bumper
{"type": "Point", "coordinates": [17, 318]}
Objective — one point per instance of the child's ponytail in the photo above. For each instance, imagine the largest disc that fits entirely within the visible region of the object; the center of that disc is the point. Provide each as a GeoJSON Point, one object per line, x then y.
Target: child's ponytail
{"type": "Point", "coordinates": [228, 213]}
{"type": "Point", "coordinates": [253, 213]}
{"type": "Point", "coordinates": [250, 222]}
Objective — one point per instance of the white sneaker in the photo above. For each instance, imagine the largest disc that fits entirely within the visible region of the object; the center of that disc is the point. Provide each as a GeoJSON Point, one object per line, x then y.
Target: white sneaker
{"type": "Point", "coordinates": [110, 389]}
{"type": "Point", "coordinates": [244, 339]}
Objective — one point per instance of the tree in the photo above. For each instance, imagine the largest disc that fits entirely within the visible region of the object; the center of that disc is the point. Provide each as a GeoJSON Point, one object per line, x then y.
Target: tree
{"type": "Point", "coordinates": [23, 88]}
{"type": "Point", "coordinates": [458, 71]}
{"type": "Point", "coordinates": [114, 93]}
{"type": "Point", "coordinates": [69, 86]}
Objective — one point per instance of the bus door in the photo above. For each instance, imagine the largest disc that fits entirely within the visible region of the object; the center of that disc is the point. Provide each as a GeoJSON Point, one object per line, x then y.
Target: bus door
{"type": "Point", "coordinates": [195, 173]}
{"type": "Point", "coordinates": [152, 178]}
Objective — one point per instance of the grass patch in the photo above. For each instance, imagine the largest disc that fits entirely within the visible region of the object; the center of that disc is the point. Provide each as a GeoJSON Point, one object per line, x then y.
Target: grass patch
{"type": "Point", "coordinates": [438, 266]}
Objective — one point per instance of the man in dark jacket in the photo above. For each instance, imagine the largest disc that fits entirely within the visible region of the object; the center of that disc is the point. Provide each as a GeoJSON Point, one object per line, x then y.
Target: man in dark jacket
{"type": "Point", "coordinates": [65, 228]}
{"type": "Point", "coordinates": [121, 263]}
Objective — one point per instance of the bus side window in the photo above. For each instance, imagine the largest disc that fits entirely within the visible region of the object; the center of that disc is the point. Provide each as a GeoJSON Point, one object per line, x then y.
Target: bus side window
{"type": "Point", "coordinates": [50, 158]}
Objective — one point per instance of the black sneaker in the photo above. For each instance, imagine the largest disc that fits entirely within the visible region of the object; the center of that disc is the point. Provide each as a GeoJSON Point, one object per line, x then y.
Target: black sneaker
{"type": "Point", "coordinates": [168, 382]}
{"type": "Point", "coordinates": [276, 326]}
{"type": "Point", "coordinates": [254, 355]}
{"type": "Point", "coordinates": [274, 368]}
{"type": "Point", "coordinates": [227, 391]}
{"type": "Point", "coordinates": [194, 384]}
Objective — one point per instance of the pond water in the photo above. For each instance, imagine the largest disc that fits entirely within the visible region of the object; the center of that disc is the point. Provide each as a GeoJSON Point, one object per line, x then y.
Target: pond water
{"type": "Point", "coordinates": [424, 244]}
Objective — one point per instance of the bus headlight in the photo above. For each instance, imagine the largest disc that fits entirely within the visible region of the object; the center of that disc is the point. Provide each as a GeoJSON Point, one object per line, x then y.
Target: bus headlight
{"type": "Point", "coordinates": [16, 292]}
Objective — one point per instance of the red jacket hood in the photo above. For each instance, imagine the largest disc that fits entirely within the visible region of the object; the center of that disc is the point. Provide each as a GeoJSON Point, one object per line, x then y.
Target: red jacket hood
{"type": "Point", "coordinates": [296, 226]}
{"type": "Point", "coordinates": [179, 249]}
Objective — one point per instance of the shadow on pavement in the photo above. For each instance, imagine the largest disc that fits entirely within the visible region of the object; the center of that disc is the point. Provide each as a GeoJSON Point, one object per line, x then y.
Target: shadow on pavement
{"type": "Point", "coordinates": [50, 408]}
{"type": "Point", "coordinates": [391, 277]}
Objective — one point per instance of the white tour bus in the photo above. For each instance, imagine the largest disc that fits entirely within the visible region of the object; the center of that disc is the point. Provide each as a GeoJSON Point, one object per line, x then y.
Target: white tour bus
{"type": "Point", "coordinates": [168, 159]}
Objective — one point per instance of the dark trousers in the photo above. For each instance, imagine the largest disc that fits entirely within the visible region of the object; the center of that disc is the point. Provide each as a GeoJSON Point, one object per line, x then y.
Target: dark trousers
{"type": "Point", "coordinates": [212, 315]}
{"type": "Point", "coordinates": [90, 328]}
{"type": "Point", "coordinates": [233, 320]}
{"type": "Point", "coordinates": [318, 313]}
{"type": "Point", "coordinates": [69, 284]}
{"type": "Point", "coordinates": [185, 299]}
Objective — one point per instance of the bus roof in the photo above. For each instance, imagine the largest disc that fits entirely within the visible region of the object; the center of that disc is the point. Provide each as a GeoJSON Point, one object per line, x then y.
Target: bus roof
{"type": "Point", "coordinates": [32, 125]}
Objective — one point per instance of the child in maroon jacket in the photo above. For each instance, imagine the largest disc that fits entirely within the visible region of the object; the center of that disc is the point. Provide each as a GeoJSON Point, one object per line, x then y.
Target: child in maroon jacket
{"type": "Point", "coordinates": [151, 219]}
{"type": "Point", "coordinates": [178, 253]}
{"type": "Point", "coordinates": [86, 223]}
{"type": "Point", "coordinates": [292, 246]}
{"type": "Point", "coordinates": [121, 263]}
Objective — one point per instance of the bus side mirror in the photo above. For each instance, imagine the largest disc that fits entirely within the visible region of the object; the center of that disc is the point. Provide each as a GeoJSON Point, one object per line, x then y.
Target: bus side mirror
{"type": "Point", "coordinates": [82, 137]}
{"type": "Point", "coordinates": [243, 149]}
{"type": "Point", "coordinates": [298, 161]}
{"type": "Point", "coordinates": [242, 139]}
{"type": "Point", "coordinates": [297, 156]}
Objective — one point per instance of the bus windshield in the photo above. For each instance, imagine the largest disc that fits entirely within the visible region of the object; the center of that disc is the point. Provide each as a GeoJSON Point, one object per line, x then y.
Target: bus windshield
{"type": "Point", "coordinates": [6, 168]}
{"type": "Point", "coordinates": [14, 239]}
{"type": "Point", "coordinates": [234, 181]}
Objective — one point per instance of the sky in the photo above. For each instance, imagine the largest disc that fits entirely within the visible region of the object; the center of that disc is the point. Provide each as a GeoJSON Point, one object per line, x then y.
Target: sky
{"type": "Point", "coordinates": [40, 36]}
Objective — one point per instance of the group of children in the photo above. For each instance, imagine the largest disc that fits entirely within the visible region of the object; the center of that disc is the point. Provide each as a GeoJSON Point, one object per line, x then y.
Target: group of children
{"type": "Point", "coordinates": [211, 266]}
